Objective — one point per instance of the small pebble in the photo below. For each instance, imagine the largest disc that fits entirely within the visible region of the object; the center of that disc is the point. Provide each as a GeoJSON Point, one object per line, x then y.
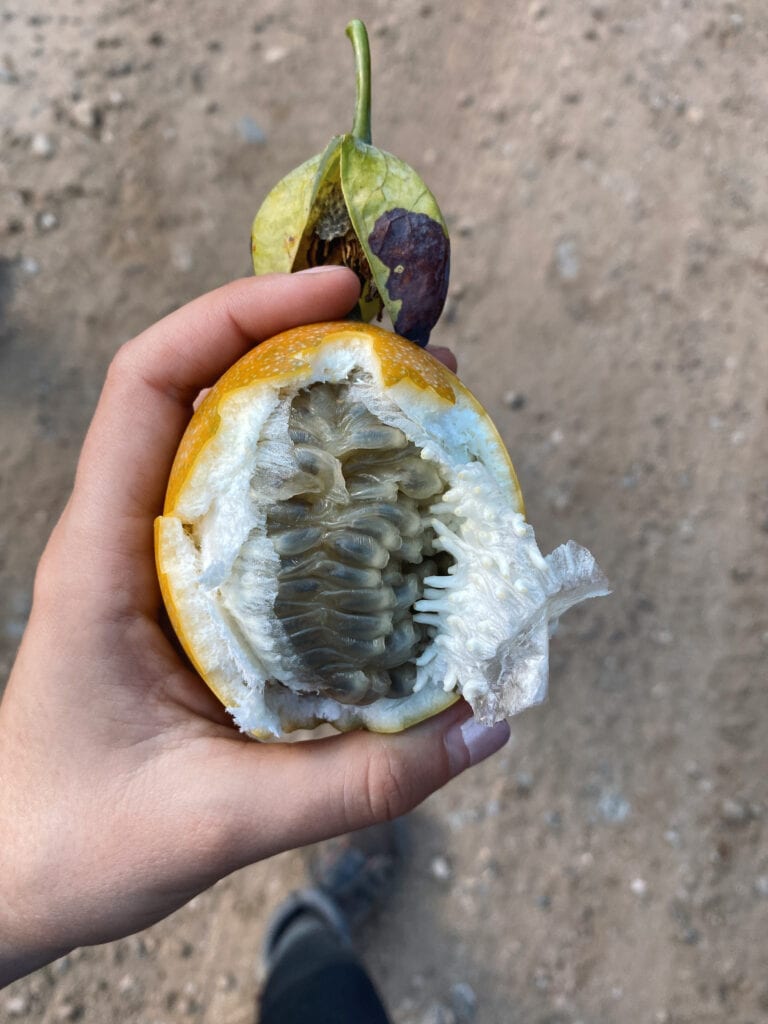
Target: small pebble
{"type": "Point", "coordinates": [761, 885]}
{"type": "Point", "coordinates": [613, 807]}
{"type": "Point", "coordinates": [47, 220]}
{"type": "Point", "coordinates": [440, 868]}
{"type": "Point", "coordinates": [686, 529]}
{"type": "Point", "coordinates": [274, 54]}
{"type": "Point", "coordinates": [62, 965]}
{"type": "Point", "coordinates": [250, 131]}
{"type": "Point", "coordinates": [17, 1006]}
{"type": "Point", "coordinates": [67, 1010]}
{"type": "Point", "coordinates": [438, 1013]}
{"type": "Point", "coordinates": [142, 945]}
{"type": "Point", "coordinates": [541, 980]}
{"type": "Point", "coordinates": [127, 985]}
{"type": "Point", "coordinates": [86, 115]}
{"type": "Point", "coordinates": [191, 1006]}
{"type": "Point", "coordinates": [463, 1002]}
{"type": "Point", "coordinates": [514, 400]}
{"type": "Point", "coordinates": [673, 837]}
{"type": "Point", "coordinates": [734, 812]}
{"type": "Point", "coordinates": [7, 73]}
{"type": "Point", "coordinates": [639, 887]}
{"type": "Point", "coordinates": [120, 70]}
{"type": "Point", "coordinates": [30, 266]}
{"type": "Point", "coordinates": [42, 145]}
{"type": "Point", "coordinates": [567, 261]}
{"type": "Point", "coordinates": [694, 116]}
{"type": "Point", "coordinates": [181, 257]}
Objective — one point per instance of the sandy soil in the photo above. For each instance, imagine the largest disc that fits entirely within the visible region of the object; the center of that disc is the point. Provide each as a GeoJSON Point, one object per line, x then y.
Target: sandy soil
{"type": "Point", "coordinates": [603, 169]}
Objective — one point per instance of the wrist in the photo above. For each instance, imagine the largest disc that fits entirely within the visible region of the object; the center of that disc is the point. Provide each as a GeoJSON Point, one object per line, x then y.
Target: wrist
{"type": "Point", "coordinates": [27, 939]}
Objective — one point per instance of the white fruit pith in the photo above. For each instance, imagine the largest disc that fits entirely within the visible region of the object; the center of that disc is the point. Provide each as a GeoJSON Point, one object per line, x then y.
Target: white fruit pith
{"type": "Point", "coordinates": [334, 481]}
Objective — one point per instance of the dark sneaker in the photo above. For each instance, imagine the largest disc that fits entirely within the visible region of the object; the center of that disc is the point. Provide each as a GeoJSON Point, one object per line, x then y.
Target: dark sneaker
{"type": "Point", "coordinates": [357, 870]}
{"type": "Point", "coordinates": [352, 876]}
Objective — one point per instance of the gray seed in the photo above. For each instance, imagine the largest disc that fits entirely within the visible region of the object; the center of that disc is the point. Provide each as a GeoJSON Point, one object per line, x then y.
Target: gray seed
{"type": "Point", "coordinates": [420, 480]}
{"type": "Point", "coordinates": [313, 642]}
{"type": "Point", "coordinates": [363, 601]}
{"type": "Point", "coordinates": [371, 488]}
{"type": "Point", "coordinates": [374, 463]}
{"type": "Point", "coordinates": [403, 680]}
{"type": "Point", "coordinates": [348, 686]}
{"type": "Point", "coordinates": [320, 467]}
{"type": "Point", "coordinates": [297, 619]}
{"type": "Point", "coordinates": [387, 534]}
{"type": "Point", "coordinates": [295, 542]}
{"type": "Point", "coordinates": [292, 513]}
{"type": "Point", "coordinates": [410, 550]}
{"type": "Point", "coordinates": [319, 565]}
{"type": "Point", "coordinates": [407, 592]}
{"type": "Point", "coordinates": [405, 519]}
{"type": "Point", "coordinates": [300, 590]}
{"type": "Point", "coordinates": [400, 644]}
{"type": "Point", "coordinates": [377, 438]}
{"type": "Point", "coordinates": [301, 436]}
{"type": "Point", "coordinates": [358, 549]}
{"type": "Point", "coordinates": [352, 535]}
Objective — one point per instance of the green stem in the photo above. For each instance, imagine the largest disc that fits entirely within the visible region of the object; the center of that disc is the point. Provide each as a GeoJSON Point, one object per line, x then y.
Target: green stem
{"type": "Point", "coordinates": [358, 36]}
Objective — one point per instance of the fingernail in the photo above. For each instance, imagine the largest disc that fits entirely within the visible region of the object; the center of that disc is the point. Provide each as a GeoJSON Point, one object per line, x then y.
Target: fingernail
{"type": "Point", "coordinates": [469, 743]}
{"type": "Point", "coordinates": [321, 269]}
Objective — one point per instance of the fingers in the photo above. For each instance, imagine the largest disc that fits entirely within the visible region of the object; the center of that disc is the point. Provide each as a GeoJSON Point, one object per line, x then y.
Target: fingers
{"type": "Point", "coordinates": [336, 785]}
{"type": "Point", "coordinates": [147, 400]}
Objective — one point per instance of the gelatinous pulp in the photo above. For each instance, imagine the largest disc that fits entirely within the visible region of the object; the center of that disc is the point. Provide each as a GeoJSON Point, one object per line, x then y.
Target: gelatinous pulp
{"type": "Point", "coordinates": [355, 544]}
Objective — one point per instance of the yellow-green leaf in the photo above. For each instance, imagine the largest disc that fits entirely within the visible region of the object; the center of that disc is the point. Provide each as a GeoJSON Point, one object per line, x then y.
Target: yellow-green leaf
{"type": "Point", "coordinates": [279, 224]}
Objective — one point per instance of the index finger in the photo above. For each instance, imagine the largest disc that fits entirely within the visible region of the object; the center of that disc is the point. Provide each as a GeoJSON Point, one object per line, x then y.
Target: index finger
{"type": "Point", "coordinates": [152, 383]}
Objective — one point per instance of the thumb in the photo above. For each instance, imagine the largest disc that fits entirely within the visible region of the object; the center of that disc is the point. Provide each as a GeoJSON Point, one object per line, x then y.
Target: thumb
{"type": "Point", "coordinates": [286, 795]}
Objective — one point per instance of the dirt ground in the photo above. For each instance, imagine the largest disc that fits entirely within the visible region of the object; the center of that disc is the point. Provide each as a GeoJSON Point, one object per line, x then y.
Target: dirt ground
{"type": "Point", "coordinates": [602, 167]}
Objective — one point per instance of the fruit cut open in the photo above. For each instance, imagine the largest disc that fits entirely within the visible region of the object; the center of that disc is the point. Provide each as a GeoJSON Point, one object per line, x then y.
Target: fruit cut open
{"type": "Point", "coordinates": [344, 541]}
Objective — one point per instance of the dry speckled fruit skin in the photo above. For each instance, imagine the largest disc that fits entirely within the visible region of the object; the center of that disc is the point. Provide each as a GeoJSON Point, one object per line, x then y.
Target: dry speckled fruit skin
{"type": "Point", "coordinates": [361, 207]}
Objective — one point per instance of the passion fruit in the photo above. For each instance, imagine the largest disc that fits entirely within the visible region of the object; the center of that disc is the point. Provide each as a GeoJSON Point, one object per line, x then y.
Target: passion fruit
{"type": "Point", "coordinates": [344, 541]}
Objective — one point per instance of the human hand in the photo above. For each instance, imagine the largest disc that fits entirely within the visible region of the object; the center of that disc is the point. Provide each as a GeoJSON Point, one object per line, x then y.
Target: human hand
{"type": "Point", "coordinates": [124, 787]}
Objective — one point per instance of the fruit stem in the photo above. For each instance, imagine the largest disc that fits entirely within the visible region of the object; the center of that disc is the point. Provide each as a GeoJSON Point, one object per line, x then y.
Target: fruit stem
{"type": "Point", "coordinates": [358, 36]}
